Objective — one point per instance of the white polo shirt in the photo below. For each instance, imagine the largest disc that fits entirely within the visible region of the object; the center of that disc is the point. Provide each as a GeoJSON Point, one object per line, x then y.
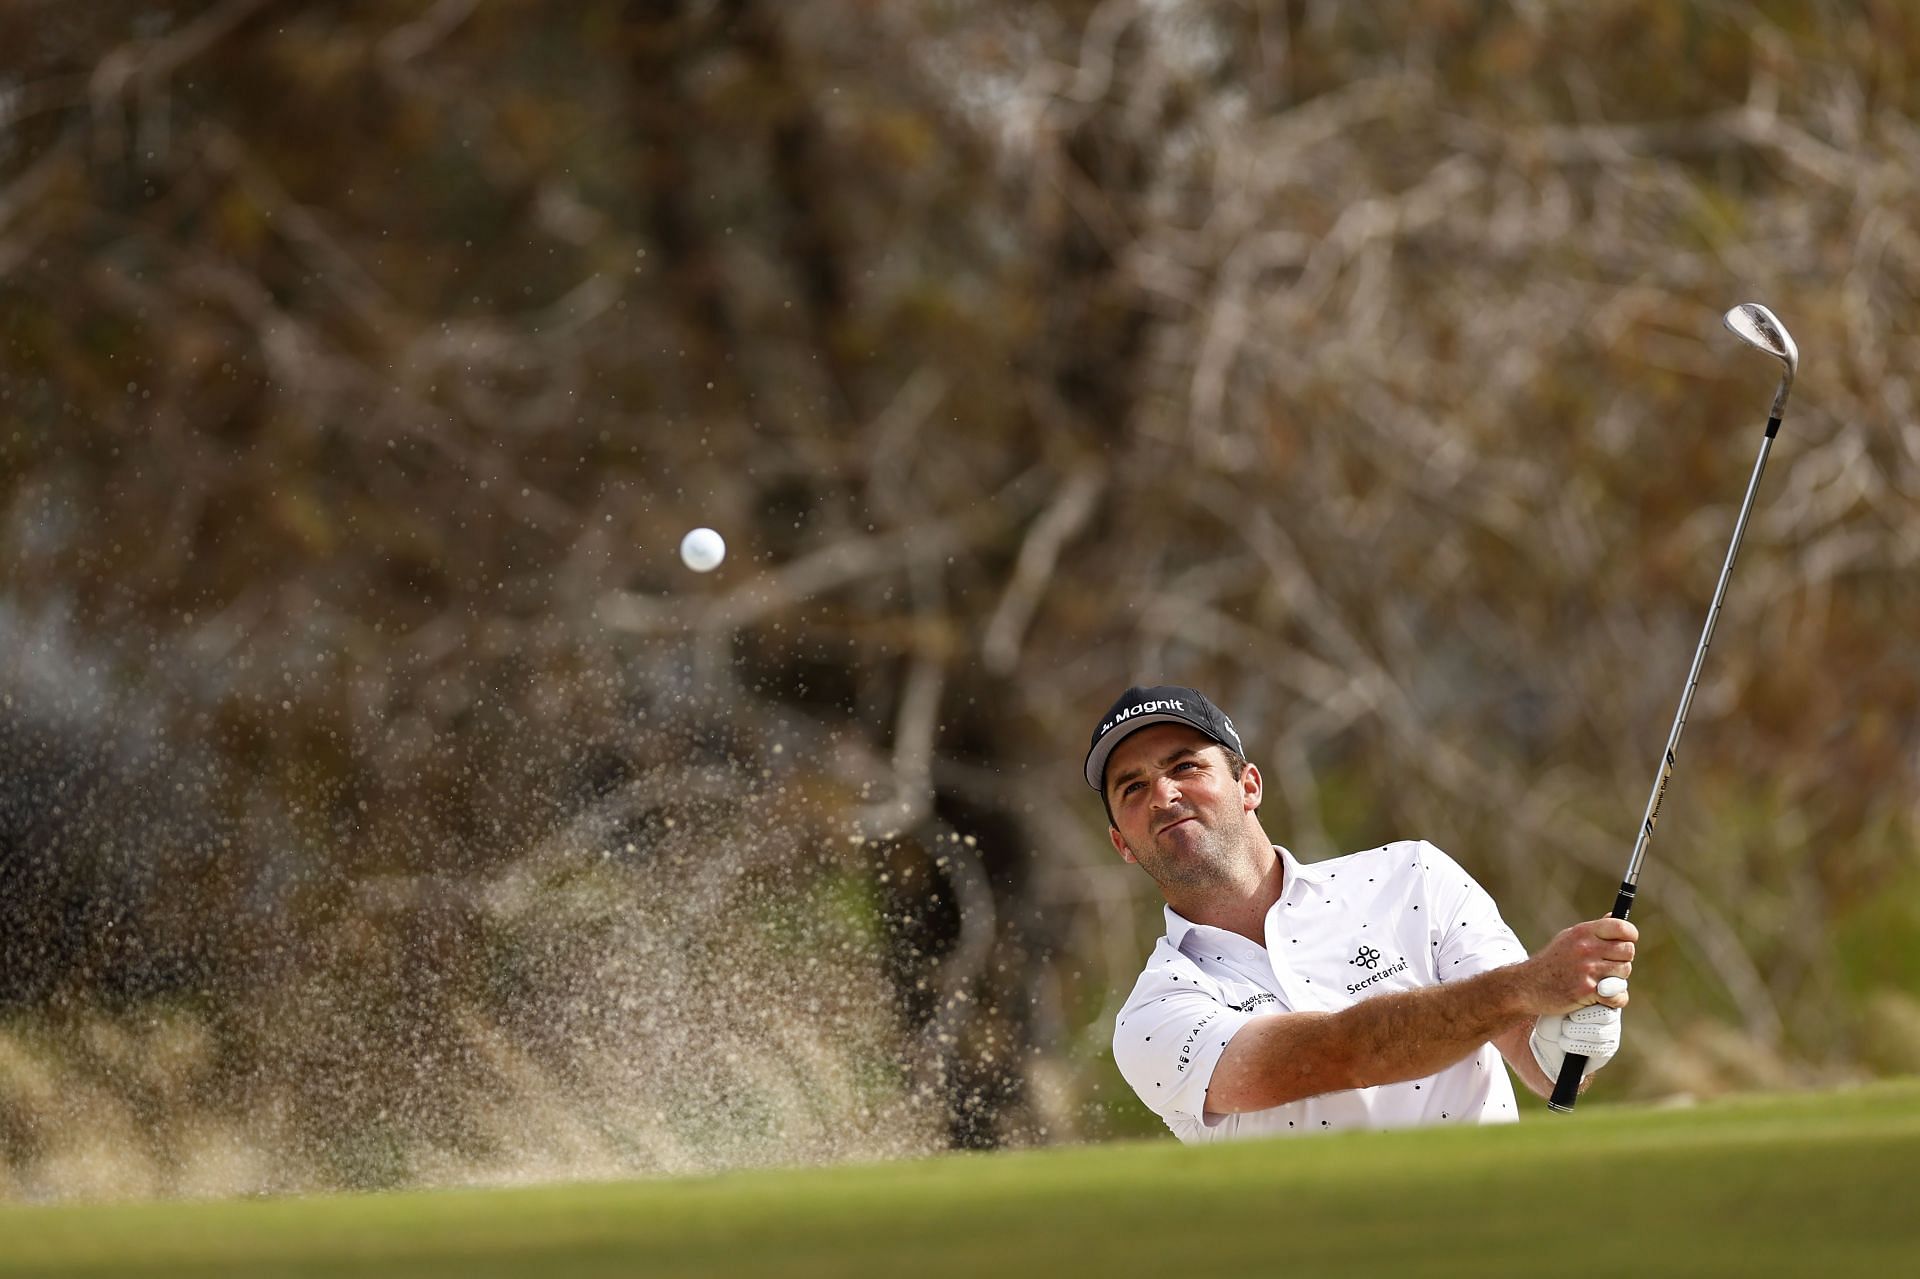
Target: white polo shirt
{"type": "Point", "coordinates": [1393, 918]}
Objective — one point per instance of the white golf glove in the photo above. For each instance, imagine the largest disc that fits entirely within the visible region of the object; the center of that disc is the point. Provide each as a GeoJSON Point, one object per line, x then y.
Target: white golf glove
{"type": "Point", "coordinates": [1593, 1032]}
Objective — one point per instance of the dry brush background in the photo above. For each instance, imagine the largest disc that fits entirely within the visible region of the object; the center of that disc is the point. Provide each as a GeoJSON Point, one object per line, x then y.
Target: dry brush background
{"type": "Point", "coordinates": [382, 801]}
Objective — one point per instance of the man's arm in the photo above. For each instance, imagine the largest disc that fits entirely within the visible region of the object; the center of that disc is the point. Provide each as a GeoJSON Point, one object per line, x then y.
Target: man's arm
{"type": "Point", "coordinates": [1410, 1034]}
{"type": "Point", "coordinates": [1512, 1044]}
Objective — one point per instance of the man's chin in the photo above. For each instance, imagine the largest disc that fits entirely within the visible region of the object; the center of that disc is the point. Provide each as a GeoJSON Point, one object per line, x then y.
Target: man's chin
{"type": "Point", "coordinates": [1182, 840]}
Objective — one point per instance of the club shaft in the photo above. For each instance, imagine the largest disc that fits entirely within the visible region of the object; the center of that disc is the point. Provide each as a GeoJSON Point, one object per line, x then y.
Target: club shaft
{"type": "Point", "coordinates": [1652, 815]}
{"type": "Point", "coordinates": [1566, 1089]}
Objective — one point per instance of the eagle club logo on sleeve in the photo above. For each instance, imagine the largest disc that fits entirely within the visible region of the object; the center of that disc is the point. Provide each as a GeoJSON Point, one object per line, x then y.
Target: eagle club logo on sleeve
{"type": "Point", "coordinates": [1367, 957]}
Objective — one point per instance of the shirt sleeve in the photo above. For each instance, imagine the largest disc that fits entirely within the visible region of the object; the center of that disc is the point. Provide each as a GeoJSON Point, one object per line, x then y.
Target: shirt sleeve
{"type": "Point", "coordinates": [1471, 938]}
{"type": "Point", "coordinates": [1169, 1038]}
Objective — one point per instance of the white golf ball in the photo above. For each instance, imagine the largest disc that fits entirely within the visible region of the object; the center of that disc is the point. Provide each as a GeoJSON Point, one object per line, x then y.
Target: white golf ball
{"type": "Point", "coordinates": [1611, 986]}
{"type": "Point", "coordinates": [702, 550]}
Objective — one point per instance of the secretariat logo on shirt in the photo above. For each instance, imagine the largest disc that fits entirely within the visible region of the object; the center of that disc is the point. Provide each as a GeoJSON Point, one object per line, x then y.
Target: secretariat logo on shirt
{"type": "Point", "coordinates": [1367, 957]}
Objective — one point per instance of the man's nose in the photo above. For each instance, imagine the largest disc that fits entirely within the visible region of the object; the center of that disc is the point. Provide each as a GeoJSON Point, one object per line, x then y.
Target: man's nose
{"type": "Point", "coordinates": [1166, 791]}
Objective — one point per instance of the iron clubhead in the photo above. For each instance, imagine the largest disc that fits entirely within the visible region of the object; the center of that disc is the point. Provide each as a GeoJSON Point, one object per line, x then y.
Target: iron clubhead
{"type": "Point", "coordinates": [1759, 327]}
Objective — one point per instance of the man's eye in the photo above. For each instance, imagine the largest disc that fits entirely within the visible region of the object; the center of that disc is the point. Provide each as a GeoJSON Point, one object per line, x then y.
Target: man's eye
{"type": "Point", "coordinates": [1185, 764]}
{"type": "Point", "coordinates": [1130, 788]}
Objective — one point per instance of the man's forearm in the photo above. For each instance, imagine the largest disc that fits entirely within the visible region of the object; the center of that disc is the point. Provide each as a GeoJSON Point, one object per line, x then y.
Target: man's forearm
{"type": "Point", "coordinates": [1414, 1033]}
{"type": "Point", "coordinates": [1285, 1057]}
{"type": "Point", "coordinates": [1512, 1044]}
{"type": "Point", "coordinates": [1410, 1034]}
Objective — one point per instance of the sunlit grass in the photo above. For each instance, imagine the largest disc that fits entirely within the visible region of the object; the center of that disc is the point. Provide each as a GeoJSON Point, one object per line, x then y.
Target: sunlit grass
{"type": "Point", "coordinates": [1795, 1184]}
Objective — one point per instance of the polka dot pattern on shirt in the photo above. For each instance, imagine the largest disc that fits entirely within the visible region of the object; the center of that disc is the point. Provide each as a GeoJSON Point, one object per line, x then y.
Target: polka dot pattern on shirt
{"type": "Point", "coordinates": [1464, 936]}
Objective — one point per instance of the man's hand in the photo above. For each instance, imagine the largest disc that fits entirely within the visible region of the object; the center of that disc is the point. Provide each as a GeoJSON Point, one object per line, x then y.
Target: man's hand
{"type": "Point", "coordinates": [1592, 1032]}
{"type": "Point", "coordinates": [1567, 971]}
{"type": "Point", "coordinates": [1585, 968]}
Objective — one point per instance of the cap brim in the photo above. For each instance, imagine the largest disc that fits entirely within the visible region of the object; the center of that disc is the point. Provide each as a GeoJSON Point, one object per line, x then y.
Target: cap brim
{"type": "Point", "coordinates": [1103, 749]}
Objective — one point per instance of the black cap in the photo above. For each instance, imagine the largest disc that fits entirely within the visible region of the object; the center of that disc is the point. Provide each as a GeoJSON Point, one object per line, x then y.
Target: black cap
{"type": "Point", "coordinates": [1161, 704]}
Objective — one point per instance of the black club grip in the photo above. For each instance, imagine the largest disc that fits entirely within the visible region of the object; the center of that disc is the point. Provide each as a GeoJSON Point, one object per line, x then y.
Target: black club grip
{"type": "Point", "coordinates": [1566, 1089]}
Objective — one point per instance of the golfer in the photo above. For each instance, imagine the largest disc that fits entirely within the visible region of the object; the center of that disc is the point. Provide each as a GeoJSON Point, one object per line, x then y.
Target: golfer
{"type": "Point", "coordinates": [1380, 989]}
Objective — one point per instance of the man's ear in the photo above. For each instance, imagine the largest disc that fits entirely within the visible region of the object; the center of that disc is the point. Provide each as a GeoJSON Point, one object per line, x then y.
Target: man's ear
{"type": "Point", "coordinates": [1252, 788]}
{"type": "Point", "coordinates": [1120, 845]}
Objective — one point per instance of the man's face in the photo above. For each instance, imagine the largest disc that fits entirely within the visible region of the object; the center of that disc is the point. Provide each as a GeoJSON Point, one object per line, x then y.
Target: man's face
{"type": "Point", "coordinates": [1177, 809]}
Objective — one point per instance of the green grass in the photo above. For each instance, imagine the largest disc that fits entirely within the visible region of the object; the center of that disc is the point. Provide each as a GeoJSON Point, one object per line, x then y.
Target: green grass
{"type": "Point", "coordinates": [1789, 1185]}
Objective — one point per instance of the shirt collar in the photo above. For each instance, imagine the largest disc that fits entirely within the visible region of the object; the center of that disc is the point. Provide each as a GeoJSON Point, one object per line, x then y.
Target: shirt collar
{"type": "Point", "coordinates": [1178, 925]}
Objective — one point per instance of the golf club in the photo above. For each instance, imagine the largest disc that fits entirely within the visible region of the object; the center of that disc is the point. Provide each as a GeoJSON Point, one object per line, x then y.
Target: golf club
{"type": "Point", "coordinates": [1758, 327]}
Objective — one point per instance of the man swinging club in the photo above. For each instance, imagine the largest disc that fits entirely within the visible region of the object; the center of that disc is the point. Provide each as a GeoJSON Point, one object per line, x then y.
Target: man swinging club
{"type": "Point", "coordinates": [1369, 991]}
